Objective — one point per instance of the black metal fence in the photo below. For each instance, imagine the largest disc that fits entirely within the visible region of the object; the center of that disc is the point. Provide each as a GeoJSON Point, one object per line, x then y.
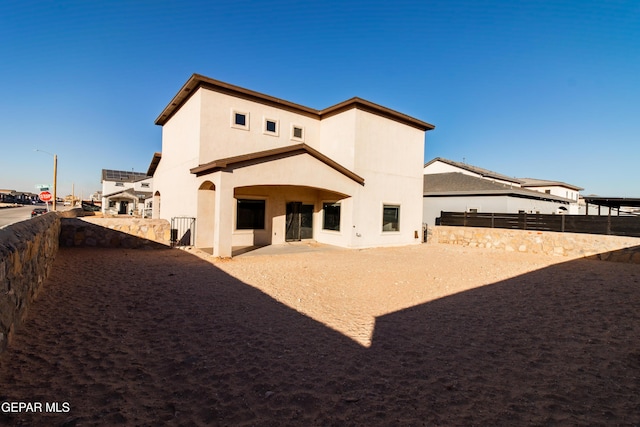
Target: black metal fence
{"type": "Point", "coordinates": [183, 231]}
{"type": "Point", "coordinates": [591, 224]}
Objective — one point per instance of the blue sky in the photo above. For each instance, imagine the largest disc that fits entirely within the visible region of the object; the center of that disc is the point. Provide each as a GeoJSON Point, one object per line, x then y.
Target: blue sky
{"type": "Point", "coordinates": [542, 89]}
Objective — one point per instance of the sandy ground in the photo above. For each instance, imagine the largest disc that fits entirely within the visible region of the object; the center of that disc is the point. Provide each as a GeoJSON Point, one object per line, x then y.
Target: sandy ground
{"type": "Point", "coordinates": [421, 335]}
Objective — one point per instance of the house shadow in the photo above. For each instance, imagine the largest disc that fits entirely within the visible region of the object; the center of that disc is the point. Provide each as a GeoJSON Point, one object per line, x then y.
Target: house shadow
{"type": "Point", "coordinates": [163, 337]}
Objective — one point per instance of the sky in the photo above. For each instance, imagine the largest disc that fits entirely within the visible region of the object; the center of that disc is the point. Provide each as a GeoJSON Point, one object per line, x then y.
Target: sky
{"type": "Point", "coordinates": [539, 89]}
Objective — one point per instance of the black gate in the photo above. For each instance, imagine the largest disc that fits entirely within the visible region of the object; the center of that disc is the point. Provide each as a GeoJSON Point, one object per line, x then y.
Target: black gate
{"type": "Point", "coordinates": [183, 230]}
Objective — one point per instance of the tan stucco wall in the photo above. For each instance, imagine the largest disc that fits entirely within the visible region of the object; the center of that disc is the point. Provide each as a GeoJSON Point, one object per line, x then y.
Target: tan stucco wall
{"type": "Point", "coordinates": [180, 146]}
{"type": "Point", "coordinates": [389, 156]}
{"type": "Point", "coordinates": [386, 153]}
{"type": "Point", "coordinates": [219, 139]}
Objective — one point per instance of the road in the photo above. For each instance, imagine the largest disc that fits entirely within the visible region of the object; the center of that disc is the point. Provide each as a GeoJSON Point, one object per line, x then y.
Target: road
{"type": "Point", "coordinates": [11, 215]}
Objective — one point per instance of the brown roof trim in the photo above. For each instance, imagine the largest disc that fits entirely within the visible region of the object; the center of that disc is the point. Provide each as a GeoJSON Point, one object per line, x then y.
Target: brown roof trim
{"type": "Point", "coordinates": [370, 107]}
{"type": "Point", "coordinates": [475, 169]}
{"type": "Point", "coordinates": [268, 155]}
{"type": "Point", "coordinates": [533, 182]}
{"type": "Point", "coordinates": [155, 160]}
{"type": "Point", "coordinates": [197, 81]}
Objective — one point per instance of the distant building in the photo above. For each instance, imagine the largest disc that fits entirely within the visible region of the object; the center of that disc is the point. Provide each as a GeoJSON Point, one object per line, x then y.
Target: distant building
{"type": "Point", "coordinates": [13, 196]}
{"type": "Point", "coordinates": [459, 187]}
{"type": "Point", "coordinates": [126, 192]}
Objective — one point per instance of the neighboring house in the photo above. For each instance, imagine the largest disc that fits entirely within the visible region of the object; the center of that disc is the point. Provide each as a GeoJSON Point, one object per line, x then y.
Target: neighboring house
{"type": "Point", "coordinates": [459, 187]}
{"type": "Point", "coordinates": [125, 192]}
{"type": "Point", "coordinates": [556, 188]}
{"type": "Point", "coordinates": [257, 170]}
{"type": "Point", "coordinates": [441, 165]}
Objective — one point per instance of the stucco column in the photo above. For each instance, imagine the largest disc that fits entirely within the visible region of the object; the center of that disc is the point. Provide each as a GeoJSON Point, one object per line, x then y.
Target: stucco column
{"type": "Point", "coordinates": [223, 214]}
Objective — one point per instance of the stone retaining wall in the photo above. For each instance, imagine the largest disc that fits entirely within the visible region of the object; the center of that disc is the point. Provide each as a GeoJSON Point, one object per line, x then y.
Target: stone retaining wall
{"type": "Point", "coordinates": [115, 232]}
{"type": "Point", "coordinates": [27, 252]}
{"type": "Point", "coordinates": [575, 245]}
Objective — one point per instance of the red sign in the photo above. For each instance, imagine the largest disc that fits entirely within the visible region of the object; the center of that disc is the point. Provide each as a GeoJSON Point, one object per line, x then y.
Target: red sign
{"type": "Point", "coordinates": [45, 196]}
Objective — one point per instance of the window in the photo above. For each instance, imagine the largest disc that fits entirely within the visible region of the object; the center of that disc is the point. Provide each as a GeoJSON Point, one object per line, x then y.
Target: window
{"type": "Point", "coordinates": [119, 184]}
{"type": "Point", "coordinates": [271, 127]}
{"type": "Point", "coordinates": [250, 214]}
{"type": "Point", "coordinates": [145, 185]}
{"type": "Point", "coordinates": [239, 120]}
{"type": "Point", "coordinates": [390, 218]}
{"type": "Point", "coordinates": [331, 216]}
{"type": "Point", "coordinates": [297, 132]}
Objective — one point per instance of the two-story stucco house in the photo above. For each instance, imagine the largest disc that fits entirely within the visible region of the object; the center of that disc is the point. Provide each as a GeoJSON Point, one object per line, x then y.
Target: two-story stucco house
{"type": "Point", "coordinates": [125, 192]}
{"type": "Point", "coordinates": [258, 170]}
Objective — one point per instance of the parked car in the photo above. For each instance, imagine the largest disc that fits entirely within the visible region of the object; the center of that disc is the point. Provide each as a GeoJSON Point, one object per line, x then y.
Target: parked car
{"type": "Point", "coordinates": [38, 211]}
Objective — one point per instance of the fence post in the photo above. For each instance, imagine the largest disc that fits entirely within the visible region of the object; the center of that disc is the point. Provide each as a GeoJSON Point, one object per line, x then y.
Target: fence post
{"type": "Point", "coordinates": [492, 220]}
{"type": "Point", "coordinates": [524, 224]}
{"type": "Point", "coordinates": [563, 223]}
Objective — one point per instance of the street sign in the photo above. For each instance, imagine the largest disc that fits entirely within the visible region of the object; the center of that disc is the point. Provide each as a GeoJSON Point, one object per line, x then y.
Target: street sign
{"type": "Point", "coordinates": [45, 196]}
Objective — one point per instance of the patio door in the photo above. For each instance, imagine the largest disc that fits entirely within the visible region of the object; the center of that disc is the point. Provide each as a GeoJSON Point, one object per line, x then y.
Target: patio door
{"type": "Point", "coordinates": [299, 222]}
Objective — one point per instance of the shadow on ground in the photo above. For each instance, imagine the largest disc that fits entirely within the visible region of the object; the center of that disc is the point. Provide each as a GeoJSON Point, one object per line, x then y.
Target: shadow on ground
{"type": "Point", "coordinates": [165, 338]}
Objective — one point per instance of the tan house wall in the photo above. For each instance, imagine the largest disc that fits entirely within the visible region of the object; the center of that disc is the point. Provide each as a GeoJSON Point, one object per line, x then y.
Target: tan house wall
{"type": "Point", "coordinates": [386, 153]}
{"type": "Point", "coordinates": [180, 150]}
{"type": "Point", "coordinates": [389, 156]}
{"type": "Point", "coordinates": [219, 139]}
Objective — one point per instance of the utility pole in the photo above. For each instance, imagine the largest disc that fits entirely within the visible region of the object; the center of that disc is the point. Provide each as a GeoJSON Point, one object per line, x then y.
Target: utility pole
{"type": "Point", "coordinates": [55, 180]}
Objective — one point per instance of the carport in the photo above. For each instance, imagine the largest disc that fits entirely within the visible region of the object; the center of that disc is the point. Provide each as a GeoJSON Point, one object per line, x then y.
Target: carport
{"type": "Point", "coordinates": [612, 203]}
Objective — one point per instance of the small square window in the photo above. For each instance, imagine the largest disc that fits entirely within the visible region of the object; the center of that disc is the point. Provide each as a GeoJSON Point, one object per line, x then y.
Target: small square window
{"type": "Point", "coordinates": [297, 132]}
{"type": "Point", "coordinates": [271, 127]}
{"type": "Point", "coordinates": [239, 120]}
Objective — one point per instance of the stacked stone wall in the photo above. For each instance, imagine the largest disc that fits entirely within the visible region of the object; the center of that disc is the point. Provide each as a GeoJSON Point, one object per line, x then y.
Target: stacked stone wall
{"type": "Point", "coordinates": [114, 232]}
{"type": "Point", "coordinates": [27, 252]}
{"type": "Point", "coordinates": [575, 245]}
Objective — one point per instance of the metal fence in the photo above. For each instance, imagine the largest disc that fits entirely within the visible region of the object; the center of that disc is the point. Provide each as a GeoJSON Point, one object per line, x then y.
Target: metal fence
{"type": "Point", "coordinates": [183, 231]}
{"type": "Point", "coordinates": [591, 224]}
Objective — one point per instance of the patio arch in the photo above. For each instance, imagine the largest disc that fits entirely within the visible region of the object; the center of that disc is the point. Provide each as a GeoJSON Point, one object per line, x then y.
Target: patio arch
{"type": "Point", "coordinates": [205, 215]}
{"type": "Point", "coordinates": [155, 209]}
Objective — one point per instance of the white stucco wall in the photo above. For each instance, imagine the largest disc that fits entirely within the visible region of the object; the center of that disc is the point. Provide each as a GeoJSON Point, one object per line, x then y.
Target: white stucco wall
{"type": "Point", "coordinates": [220, 139]}
{"type": "Point", "coordinates": [180, 145]}
{"type": "Point", "coordinates": [389, 156]}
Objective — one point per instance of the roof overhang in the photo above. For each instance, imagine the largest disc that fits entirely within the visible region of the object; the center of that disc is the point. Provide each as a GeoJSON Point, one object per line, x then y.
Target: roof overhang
{"type": "Point", "coordinates": [197, 81]}
{"type": "Point", "coordinates": [270, 155]}
{"type": "Point", "coordinates": [510, 193]}
{"type": "Point", "coordinates": [613, 202]}
{"type": "Point", "coordinates": [155, 161]}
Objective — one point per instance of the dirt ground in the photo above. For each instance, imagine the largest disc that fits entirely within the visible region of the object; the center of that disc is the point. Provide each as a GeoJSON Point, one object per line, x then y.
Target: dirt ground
{"type": "Point", "coordinates": [413, 336]}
